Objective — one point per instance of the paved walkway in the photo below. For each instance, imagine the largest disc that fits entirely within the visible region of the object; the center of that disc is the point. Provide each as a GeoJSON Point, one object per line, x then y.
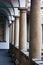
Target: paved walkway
{"type": "Point", "coordinates": [4, 58]}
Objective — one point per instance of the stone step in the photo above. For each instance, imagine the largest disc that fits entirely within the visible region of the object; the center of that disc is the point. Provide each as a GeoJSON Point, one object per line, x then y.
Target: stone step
{"type": "Point", "coordinates": [38, 61]}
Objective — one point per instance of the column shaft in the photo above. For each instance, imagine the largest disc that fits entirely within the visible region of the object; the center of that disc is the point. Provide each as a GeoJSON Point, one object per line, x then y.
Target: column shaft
{"type": "Point", "coordinates": [16, 31]}
{"type": "Point", "coordinates": [23, 29]}
{"type": "Point", "coordinates": [35, 30]}
{"type": "Point", "coordinates": [10, 32]}
{"type": "Point", "coordinates": [13, 32]}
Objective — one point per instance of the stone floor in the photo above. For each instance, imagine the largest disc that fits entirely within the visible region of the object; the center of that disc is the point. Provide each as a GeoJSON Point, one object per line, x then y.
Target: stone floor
{"type": "Point", "coordinates": [5, 58]}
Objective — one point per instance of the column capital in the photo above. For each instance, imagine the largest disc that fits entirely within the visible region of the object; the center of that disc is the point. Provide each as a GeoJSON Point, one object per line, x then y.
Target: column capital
{"type": "Point", "coordinates": [12, 21]}
{"type": "Point", "coordinates": [22, 8]}
{"type": "Point", "coordinates": [9, 24]}
{"type": "Point", "coordinates": [17, 16]}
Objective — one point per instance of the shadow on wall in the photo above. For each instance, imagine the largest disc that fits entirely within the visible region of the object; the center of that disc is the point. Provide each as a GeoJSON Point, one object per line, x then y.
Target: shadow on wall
{"type": "Point", "coordinates": [28, 26]}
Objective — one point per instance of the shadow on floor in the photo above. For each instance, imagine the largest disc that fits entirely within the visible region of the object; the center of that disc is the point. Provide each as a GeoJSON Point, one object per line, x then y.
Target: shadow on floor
{"type": "Point", "coordinates": [5, 59]}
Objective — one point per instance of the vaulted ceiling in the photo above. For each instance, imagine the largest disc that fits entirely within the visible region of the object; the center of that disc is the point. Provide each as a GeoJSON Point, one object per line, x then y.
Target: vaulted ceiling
{"type": "Point", "coordinates": [7, 8]}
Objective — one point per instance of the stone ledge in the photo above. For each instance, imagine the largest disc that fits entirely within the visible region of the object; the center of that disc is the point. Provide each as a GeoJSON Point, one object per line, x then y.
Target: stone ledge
{"type": "Point", "coordinates": [38, 61]}
{"type": "Point", "coordinates": [21, 56]}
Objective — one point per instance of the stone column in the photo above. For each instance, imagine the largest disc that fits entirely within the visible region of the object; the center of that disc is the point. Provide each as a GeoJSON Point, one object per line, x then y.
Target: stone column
{"type": "Point", "coordinates": [10, 32]}
{"type": "Point", "coordinates": [13, 32]}
{"type": "Point", "coordinates": [10, 38]}
{"type": "Point", "coordinates": [35, 30]}
{"type": "Point", "coordinates": [23, 29]}
{"type": "Point", "coordinates": [16, 31]}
